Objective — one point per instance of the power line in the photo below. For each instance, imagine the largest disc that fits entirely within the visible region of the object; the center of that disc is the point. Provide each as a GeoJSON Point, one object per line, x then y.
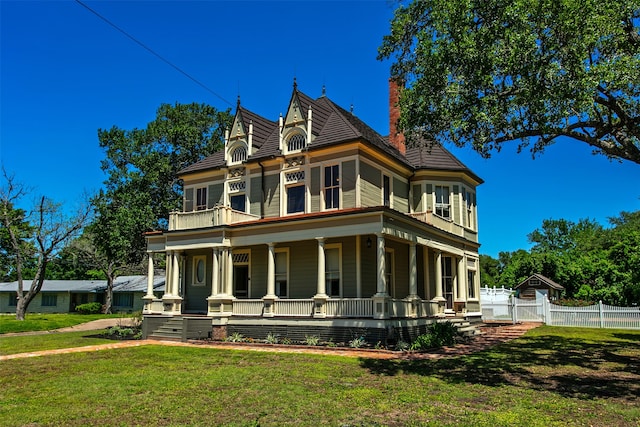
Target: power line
{"type": "Point", "coordinates": [154, 53]}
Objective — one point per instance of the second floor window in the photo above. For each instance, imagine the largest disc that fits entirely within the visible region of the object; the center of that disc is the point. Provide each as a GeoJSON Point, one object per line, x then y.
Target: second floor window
{"type": "Point", "coordinates": [386, 191]}
{"type": "Point", "coordinates": [443, 206]}
{"type": "Point", "coordinates": [239, 202]}
{"type": "Point", "coordinates": [239, 154]}
{"type": "Point", "coordinates": [469, 203]}
{"type": "Point", "coordinates": [332, 187]}
{"type": "Point", "coordinates": [296, 142]}
{"type": "Point", "coordinates": [295, 199]}
{"type": "Point", "coordinates": [201, 199]}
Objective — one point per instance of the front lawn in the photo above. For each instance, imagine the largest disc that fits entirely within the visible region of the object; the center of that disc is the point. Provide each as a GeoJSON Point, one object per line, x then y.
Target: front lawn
{"type": "Point", "coordinates": [549, 377]}
{"type": "Point", "coordinates": [31, 343]}
{"type": "Point", "coordinates": [47, 322]}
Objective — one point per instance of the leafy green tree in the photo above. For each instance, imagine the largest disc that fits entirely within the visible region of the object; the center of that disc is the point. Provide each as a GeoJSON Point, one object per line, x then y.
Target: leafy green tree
{"type": "Point", "coordinates": [142, 185]}
{"type": "Point", "coordinates": [487, 72]}
{"type": "Point", "coordinates": [489, 271]}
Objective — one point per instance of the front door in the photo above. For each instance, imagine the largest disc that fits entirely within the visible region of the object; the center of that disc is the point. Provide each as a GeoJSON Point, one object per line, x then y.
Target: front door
{"type": "Point", "coordinates": [241, 281]}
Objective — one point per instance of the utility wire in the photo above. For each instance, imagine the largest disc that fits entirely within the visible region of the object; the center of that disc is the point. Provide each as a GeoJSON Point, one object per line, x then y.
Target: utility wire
{"type": "Point", "coordinates": [157, 55]}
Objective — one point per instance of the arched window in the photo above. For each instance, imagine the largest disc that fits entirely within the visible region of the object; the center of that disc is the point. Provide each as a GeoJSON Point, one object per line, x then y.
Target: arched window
{"type": "Point", "coordinates": [239, 154]}
{"type": "Point", "coordinates": [296, 142]}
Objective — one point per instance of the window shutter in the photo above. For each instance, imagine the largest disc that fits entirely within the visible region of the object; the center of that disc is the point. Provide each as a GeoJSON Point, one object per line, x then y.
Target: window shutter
{"type": "Point", "coordinates": [429, 195]}
{"type": "Point", "coordinates": [456, 204]}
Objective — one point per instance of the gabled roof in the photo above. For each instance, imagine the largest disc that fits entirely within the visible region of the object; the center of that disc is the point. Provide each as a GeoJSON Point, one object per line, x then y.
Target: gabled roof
{"type": "Point", "coordinates": [332, 125]}
{"type": "Point", "coordinates": [542, 279]}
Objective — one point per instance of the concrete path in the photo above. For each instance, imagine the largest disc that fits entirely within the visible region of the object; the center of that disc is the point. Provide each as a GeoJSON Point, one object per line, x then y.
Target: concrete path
{"type": "Point", "coordinates": [491, 336]}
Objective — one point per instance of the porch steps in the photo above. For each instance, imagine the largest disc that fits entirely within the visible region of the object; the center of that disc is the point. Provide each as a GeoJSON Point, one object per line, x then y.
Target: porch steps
{"type": "Point", "coordinates": [171, 330]}
{"type": "Point", "coordinates": [467, 329]}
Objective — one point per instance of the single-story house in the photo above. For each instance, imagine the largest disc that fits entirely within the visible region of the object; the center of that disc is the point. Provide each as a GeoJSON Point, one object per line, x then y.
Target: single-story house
{"type": "Point", "coordinates": [62, 296]}
{"type": "Point", "coordinates": [537, 284]}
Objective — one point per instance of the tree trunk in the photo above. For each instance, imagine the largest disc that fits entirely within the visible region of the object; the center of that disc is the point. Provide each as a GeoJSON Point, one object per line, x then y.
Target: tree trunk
{"type": "Point", "coordinates": [21, 308]}
{"type": "Point", "coordinates": [108, 300]}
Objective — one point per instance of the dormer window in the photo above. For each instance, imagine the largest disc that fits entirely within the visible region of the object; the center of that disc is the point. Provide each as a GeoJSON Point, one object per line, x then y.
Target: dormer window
{"type": "Point", "coordinates": [239, 154]}
{"type": "Point", "coordinates": [296, 142]}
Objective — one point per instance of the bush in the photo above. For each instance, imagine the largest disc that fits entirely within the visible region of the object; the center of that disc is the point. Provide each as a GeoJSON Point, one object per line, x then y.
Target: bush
{"type": "Point", "coordinates": [89, 308]}
{"type": "Point", "coordinates": [438, 334]}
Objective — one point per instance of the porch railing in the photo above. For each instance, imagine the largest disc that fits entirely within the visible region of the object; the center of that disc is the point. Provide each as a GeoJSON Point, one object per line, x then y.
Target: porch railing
{"type": "Point", "coordinates": [219, 215]}
{"type": "Point", "coordinates": [349, 307]}
{"type": "Point", "coordinates": [248, 307]}
{"type": "Point", "coordinates": [294, 307]}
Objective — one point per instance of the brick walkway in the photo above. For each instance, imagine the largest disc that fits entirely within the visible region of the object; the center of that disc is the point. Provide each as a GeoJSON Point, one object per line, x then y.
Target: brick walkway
{"type": "Point", "coordinates": [491, 335]}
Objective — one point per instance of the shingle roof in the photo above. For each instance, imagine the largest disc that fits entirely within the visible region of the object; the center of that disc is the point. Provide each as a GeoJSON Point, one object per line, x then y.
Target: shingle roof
{"type": "Point", "coordinates": [543, 279]}
{"type": "Point", "coordinates": [121, 284]}
{"type": "Point", "coordinates": [331, 124]}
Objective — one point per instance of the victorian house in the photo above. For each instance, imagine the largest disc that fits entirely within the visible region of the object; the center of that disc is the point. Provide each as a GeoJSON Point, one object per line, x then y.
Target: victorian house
{"type": "Point", "coordinates": [315, 224]}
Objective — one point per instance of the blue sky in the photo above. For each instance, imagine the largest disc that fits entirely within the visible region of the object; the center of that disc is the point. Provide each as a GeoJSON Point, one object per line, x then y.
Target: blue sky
{"type": "Point", "coordinates": [64, 73]}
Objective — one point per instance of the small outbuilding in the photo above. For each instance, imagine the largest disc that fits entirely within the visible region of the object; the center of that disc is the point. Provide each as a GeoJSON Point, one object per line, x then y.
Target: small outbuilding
{"type": "Point", "coordinates": [537, 284]}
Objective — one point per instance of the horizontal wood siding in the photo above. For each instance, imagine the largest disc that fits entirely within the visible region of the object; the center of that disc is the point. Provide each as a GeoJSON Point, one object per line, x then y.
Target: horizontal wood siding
{"type": "Point", "coordinates": [420, 263]}
{"type": "Point", "coordinates": [315, 189]}
{"type": "Point", "coordinates": [401, 264]}
{"type": "Point", "coordinates": [400, 195]}
{"type": "Point", "coordinates": [370, 185]}
{"type": "Point", "coordinates": [272, 195]}
{"type": "Point", "coordinates": [369, 267]}
{"type": "Point", "coordinates": [349, 184]}
{"type": "Point", "coordinates": [429, 197]}
{"type": "Point", "coordinates": [303, 269]}
{"type": "Point", "coordinates": [255, 193]}
{"type": "Point", "coordinates": [215, 195]}
{"type": "Point", "coordinates": [258, 271]}
{"type": "Point", "coordinates": [348, 265]}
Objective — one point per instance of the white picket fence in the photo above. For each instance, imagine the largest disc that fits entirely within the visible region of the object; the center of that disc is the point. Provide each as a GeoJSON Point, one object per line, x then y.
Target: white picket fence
{"type": "Point", "coordinates": [541, 310]}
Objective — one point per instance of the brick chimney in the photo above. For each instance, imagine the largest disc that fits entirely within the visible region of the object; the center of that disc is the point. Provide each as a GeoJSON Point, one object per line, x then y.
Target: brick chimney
{"type": "Point", "coordinates": [396, 137]}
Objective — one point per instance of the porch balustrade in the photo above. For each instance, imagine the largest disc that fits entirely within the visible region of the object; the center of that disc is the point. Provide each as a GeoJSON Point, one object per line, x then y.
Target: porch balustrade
{"type": "Point", "coordinates": [293, 308]}
{"type": "Point", "coordinates": [349, 307]}
{"type": "Point", "coordinates": [400, 308]}
{"type": "Point", "coordinates": [248, 307]}
{"type": "Point", "coordinates": [219, 215]}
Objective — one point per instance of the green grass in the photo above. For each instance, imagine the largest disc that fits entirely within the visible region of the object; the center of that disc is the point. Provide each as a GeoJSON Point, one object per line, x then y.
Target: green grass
{"type": "Point", "coordinates": [549, 377]}
{"type": "Point", "coordinates": [54, 340]}
{"type": "Point", "coordinates": [47, 322]}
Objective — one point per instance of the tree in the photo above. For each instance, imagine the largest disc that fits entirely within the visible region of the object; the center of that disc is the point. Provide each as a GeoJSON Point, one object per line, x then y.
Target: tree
{"type": "Point", "coordinates": [487, 72]}
{"type": "Point", "coordinates": [143, 187]}
{"type": "Point", "coordinates": [38, 235]}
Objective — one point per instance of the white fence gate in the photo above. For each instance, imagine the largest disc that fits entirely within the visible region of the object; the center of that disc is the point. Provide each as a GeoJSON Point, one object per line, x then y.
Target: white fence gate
{"type": "Point", "coordinates": [541, 310]}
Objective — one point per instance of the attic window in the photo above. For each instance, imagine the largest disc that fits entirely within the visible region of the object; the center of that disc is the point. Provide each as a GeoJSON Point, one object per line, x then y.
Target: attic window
{"type": "Point", "coordinates": [239, 154]}
{"type": "Point", "coordinates": [296, 142]}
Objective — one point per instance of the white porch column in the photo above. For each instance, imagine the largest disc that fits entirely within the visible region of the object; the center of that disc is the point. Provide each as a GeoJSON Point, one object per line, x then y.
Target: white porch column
{"type": "Point", "coordinates": [321, 288]}
{"type": "Point", "coordinates": [381, 284]}
{"type": "Point", "coordinates": [271, 271]}
{"type": "Point", "coordinates": [229, 272]}
{"type": "Point", "coordinates": [168, 288]}
{"type": "Point", "coordinates": [150, 275]}
{"type": "Point", "coordinates": [413, 271]}
{"type": "Point", "coordinates": [462, 279]}
{"type": "Point", "coordinates": [215, 273]}
{"type": "Point", "coordinates": [439, 291]}
{"type": "Point", "coordinates": [175, 280]}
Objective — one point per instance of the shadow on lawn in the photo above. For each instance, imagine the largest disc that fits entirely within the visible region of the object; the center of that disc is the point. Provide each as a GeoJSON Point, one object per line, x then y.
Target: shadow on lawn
{"type": "Point", "coordinates": [570, 367]}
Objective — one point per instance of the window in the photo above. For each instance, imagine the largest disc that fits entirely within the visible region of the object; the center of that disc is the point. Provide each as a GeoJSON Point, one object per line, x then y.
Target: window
{"type": "Point", "coordinates": [471, 276]}
{"type": "Point", "coordinates": [296, 142]}
{"type": "Point", "coordinates": [447, 280]}
{"type": "Point", "coordinates": [49, 300]}
{"type": "Point", "coordinates": [332, 270]}
{"type": "Point", "coordinates": [388, 272]}
{"type": "Point", "coordinates": [332, 187]}
{"type": "Point", "coordinates": [13, 300]}
{"type": "Point", "coordinates": [443, 207]}
{"type": "Point", "coordinates": [199, 270]}
{"type": "Point", "coordinates": [201, 198]}
{"type": "Point", "coordinates": [239, 154]}
{"type": "Point", "coordinates": [282, 263]}
{"type": "Point", "coordinates": [123, 299]}
{"type": "Point", "coordinates": [469, 203]}
{"type": "Point", "coordinates": [241, 274]}
{"type": "Point", "coordinates": [295, 199]}
{"type": "Point", "coordinates": [386, 191]}
{"type": "Point", "coordinates": [239, 202]}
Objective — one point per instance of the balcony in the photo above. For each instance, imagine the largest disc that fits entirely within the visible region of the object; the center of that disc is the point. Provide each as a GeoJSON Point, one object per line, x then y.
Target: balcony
{"type": "Point", "coordinates": [219, 215]}
{"type": "Point", "coordinates": [446, 225]}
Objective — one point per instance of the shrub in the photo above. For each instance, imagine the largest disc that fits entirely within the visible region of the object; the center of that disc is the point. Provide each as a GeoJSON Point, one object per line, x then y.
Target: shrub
{"type": "Point", "coordinates": [89, 308]}
{"type": "Point", "coordinates": [311, 340]}
{"type": "Point", "coordinates": [272, 338]}
{"type": "Point", "coordinates": [423, 342]}
{"type": "Point", "coordinates": [357, 342]}
{"type": "Point", "coordinates": [438, 334]}
{"type": "Point", "coordinates": [235, 337]}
